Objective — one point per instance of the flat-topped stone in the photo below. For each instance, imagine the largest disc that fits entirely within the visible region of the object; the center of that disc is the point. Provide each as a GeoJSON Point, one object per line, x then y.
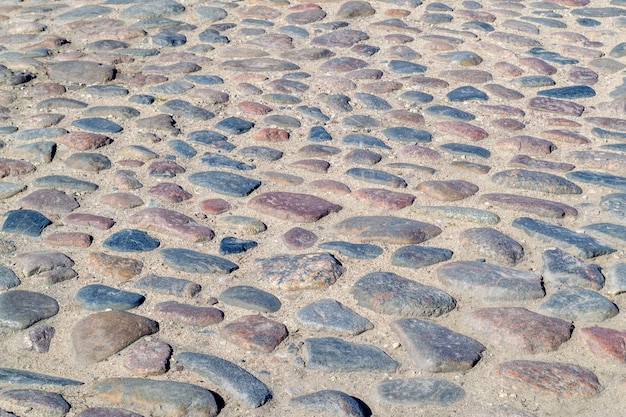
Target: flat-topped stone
{"type": "Point", "coordinates": [21, 377]}
{"type": "Point", "coordinates": [330, 316]}
{"type": "Point", "coordinates": [448, 190]}
{"type": "Point", "coordinates": [387, 229]}
{"type": "Point", "coordinates": [98, 297]}
{"type": "Point", "coordinates": [172, 223]}
{"type": "Point", "coordinates": [562, 269]}
{"type": "Point", "coordinates": [255, 333]}
{"type": "Point", "coordinates": [331, 354]}
{"type": "Point", "coordinates": [225, 183]}
{"type": "Point", "coordinates": [375, 176]}
{"type": "Point", "coordinates": [169, 285]}
{"type": "Point", "coordinates": [353, 250]}
{"type": "Point", "coordinates": [21, 309]}
{"type": "Point", "coordinates": [469, 214]}
{"type": "Point", "coordinates": [198, 262]}
{"type": "Point", "coordinates": [35, 401]}
{"type": "Point", "coordinates": [131, 240]}
{"type": "Point", "coordinates": [419, 391]}
{"type": "Point", "coordinates": [531, 205]}
{"type": "Point", "coordinates": [416, 256]}
{"type": "Point", "coordinates": [535, 181]}
{"type": "Point", "coordinates": [492, 244]}
{"type": "Point", "coordinates": [605, 343]}
{"type": "Point", "coordinates": [329, 401]}
{"type": "Point", "coordinates": [26, 222]}
{"type": "Point", "coordinates": [299, 272]}
{"type": "Point", "coordinates": [296, 207]}
{"type": "Point", "coordinates": [579, 305]}
{"type": "Point", "coordinates": [599, 178]}
{"type": "Point", "coordinates": [250, 298]}
{"type": "Point", "coordinates": [116, 267]}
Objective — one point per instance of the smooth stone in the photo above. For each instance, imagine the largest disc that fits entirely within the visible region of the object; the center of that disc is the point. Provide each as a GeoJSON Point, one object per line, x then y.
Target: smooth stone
{"type": "Point", "coordinates": [60, 103]}
{"type": "Point", "coordinates": [387, 229]}
{"type": "Point", "coordinates": [26, 222]}
{"type": "Point", "coordinates": [97, 297]}
{"type": "Point", "coordinates": [260, 65]}
{"type": "Point", "coordinates": [464, 149]}
{"type": "Point", "coordinates": [243, 224]}
{"type": "Point", "coordinates": [172, 223]}
{"type": "Point", "coordinates": [250, 298]}
{"type": "Point", "coordinates": [158, 9]}
{"type": "Point", "coordinates": [551, 56]}
{"type": "Point", "coordinates": [299, 272]}
{"type": "Point", "coordinates": [406, 135]}
{"type": "Point", "coordinates": [490, 283]}
{"type": "Point", "coordinates": [169, 285]}
{"type": "Point", "coordinates": [331, 354]}
{"type": "Point", "coordinates": [573, 92]}
{"type": "Point", "coordinates": [222, 161]}
{"type": "Point", "coordinates": [599, 11]}
{"type": "Point", "coordinates": [298, 238]}
{"type": "Point", "coordinates": [466, 93]}
{"type": "Point", "coordinates": [123, 112]}
{"type": "Point", "coordinates": [604, 343]}
{"type": "Point", "coordinates": [205, 79]}
{"type": "Point", "coordinates": [167, 38]}
{"type": "Point", "coordinates": [364, 141]}
{"type": "Point", "coordinates": [148, 357]}
{"type": "Point", "coordinates": [37, 153]}
{"type": "Point", "coordinates": [131, 240]}
{"type": "Point", "coordinates": [84, 12]}
{"type": "Point", "coordinates": [415, 256]}
{"type": "Point", "coordinates": [462, 58]}
{"type": "Point", "coordinates": [206, 137]}
{"type": "Point", "coordinates": [17, 376]}
{"type": "Point", "coordinates": [35, 401]}
{"type": "Point", "coordinates": [197, 262]}
{"type": "Point", "coordinates": [87, 161]}
{"type": "Point", "coordinates": [494, 245]}
{"type": "Point", "coordinates": [261, 153]}
{"type": "Point", "coordinates": [171, 88]}
{"type": "Point", "coordinates": [50, 201]}
{"type": "Point", "coordinates": [8, 279]}
{"type": "Point", "coordinates": [213, 36]}
{"type": "Point", "coordinates": [584, 246]}
{"type": "Point", "coordinates": [225, 183]}
{"type": "Point", "coordinates": [115, 267]}
{"type": "Point", "coordinates": [238, 383]}
{"type": "Point", "coordinates": [417, 97]}
{"type": "Point", "coordinates": [313, 112]}
{"type": "Point", "coordinates": [405, 67]}
{"type": "Point", "coordinates": [373, 102]}
{"type": "Point", "coordinates": [40, 133]}
{"type": "Point", "coordinates": [450, 190]}
{"type": "Point", "coordinates": [434, 348]}
{"type": "Point", "coordinates": [614, 205]}
{"type": "Point", "coordinates": [461, 213]}
{"type": "Point", "coordinates": [231, 245]}
{"type": "Point", "coordinates": [107, 412]}
{"type": "Point", "coordinates": [606, 231]}
{"type": "Point", "coordinates": [377, 177]}
{"type": "Point", "coordinates": [188, 315]}
{"type": "Point", "coordinates": [388, 293]}
{"type": "Point", "coordinates": [419, 391]}
{"type": "Point", "coordinates": [81, 72]}
{"type": "Point", "coordinates": [436, 18]}
{"type": "Point", "coordinates": [185, 109]}
{"type": "Point", "coordinates": [162, 397]}
{"type": "Point", "coordinates": [463, 130]}
{"type": "Point", "coordinates": [97, 124]}
{"type": "Point", "coordinates": [182, 148]}
{"type": "Point", "coordinates": [449, 112]}
{"type": "Point", "coordinates": [535, 181]}
{"type": "Point", "coordinates": [562, 269]}
{"type": "Point", "coordinates": [579, 305]}
{"type": "Point", "coordinates": [353, 250]}
{"type": "Point", "coordinates": [363, 157]}
{"type": "Point", "coordinates": [10, 167]}
{"type": "Point", "coordinates": [329, 402]}
{"type": "Point", "coordinates": [342, 38]}
{"type": "Point", "coordinates": [530, 205]}
{"type": "Point", "coordinates": [296, 207]}
{"type": "Point", "coordinates": [553, 105]}
{"type": "Point", "coordinates": [234, 125]}
{"type": "Point", "coordinates": [104, 91]}
{"type": "Point", "coordinates": [534, 81]}
{"type": "Point", "coordinates": [331, 316]}
{"type": "Point", "coordinates": [21, 309]}
{"type": "Point", "coordinates": [616, 279]}
{"type": "Point", "coordinates": [599, 178]}
{"type": "Point", "coordinates": [142, 99]}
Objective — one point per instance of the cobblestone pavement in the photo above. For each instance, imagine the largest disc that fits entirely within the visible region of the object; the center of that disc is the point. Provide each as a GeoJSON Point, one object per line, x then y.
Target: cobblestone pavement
{"type": "Point", "coordinates": [279, 208]}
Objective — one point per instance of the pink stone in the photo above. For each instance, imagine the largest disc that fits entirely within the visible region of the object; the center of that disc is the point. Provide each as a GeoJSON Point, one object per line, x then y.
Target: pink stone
{"type": "Point", "coordinates": [91, 220]}
{"type": "Point", "coordinates": [552, 105]}
{"type": "Point", "coordinates": [47, 90]}
{"type": "Point", "coordinates": [463, 130]}
{"type": "Point", "coordinates": [508, 124]}
{"type": "Point", "coordinates": [189, 314]}
{"type": "Point", "coordinates": [564, 136]}
{"type": "Point", "coordinates": [255, 333]}
{"type": "Point", "coordinates": [84, 141]}
{"type": "Point", "coordinates": [122, 200]}
{"type": "Point", "coordinates": [171, 223]}
{"type": "Point", "coordinates": [271, 134]}
{"type": "Point", "coordinates": [538, 65]}
{"type": "Point", "coordinates": [252, 107]}
{"type": "Point", "coordinates": [475, 15]}
{"type": "Point", "coordinates": [406, 116]}
{"type": "Point", "coordinates": [14, 167]}
{"type": "Point", "coordinates": [331, 186]}
{"type": "Point", "coordinates": [426, 81]}
{"type": "Point", "coordinates": [342, 64]}
{"type": "Point", "coordinates": [167, 169]}
{"type": "Point", "coordinates": [39, 338]}
{"type": "Point", "coordinates": [608, 344]}
{"type": "Point", "coordinates": [302, 208]}
{"type": "Point", "coordinates": [384, 199]}
{"type": "Point", "coordinates": [398, 38]}
{"type": "Point", "coordinates": [215, 206]}
{"type": "Point", "coordinates": [608, 123]}
{"type": "Point", "coordinates": [560, 122]}
{"type": "Point", "coordinates": [148, 358]}
{"type": "Point", "coordinates": [526, 144]}
{"type": "Point", "coordinates": [313, 165]}
{"type": "Point", "coordinates": [169, 192]}
{"type": "Point", "coordinates": [503, 110]}
{"type": "Point", "coordinates": [145, 80]}
{"type": "Point", "coordinates": [75, 239]}
{"type": "Point", "coordinates": [421, 152]}
{"type": "Point", "coordinates": [609, 161]}
{"type": "Point", "coordinates": [50, 200]}
{"type": "Point", "coordinates": [508, 69]}
{"type": "Point", "coordinates": [450, 190]}
{"type": "Point", "coordinates": [527, 161]}
{"type": "Point", "coordinates": [298, 238]}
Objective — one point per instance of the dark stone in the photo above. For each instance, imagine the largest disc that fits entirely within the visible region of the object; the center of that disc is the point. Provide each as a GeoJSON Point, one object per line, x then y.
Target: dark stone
{"type": "Point", "coordinates": [330, 401]}
{"type": "Point", "coordinates": [414, 256]}
{"type": "Point", "coordinates": [466, 93]}
{"type": "Point", "coordinates": [222, 161]}
{"type": "Point", "coordinates": [97, 124]}
{"type": "Point", "coordinates": [464, 149]}
{"type": "Point", "coordinates": [599, 178]}
{"type": "Point", "coordinates": [26, 222]}
{"type": "Point", "coordinates": [562, 269]}
{"type": "Point", "coordinates": [551, 56]}
{"type": "Point", "coordinates": [250, 298]}
{"type": "Point", "coordinates": [182, 148]}
{"type": "Point", "coordinates": [417, 96]}
{"type": "Point", "coordinates": [185, 109]}
{"type": "Point", "coordinates": [169, 285]}
{"type": "Point", "coordinates": [206, 137]}
{"type": "Point", "coordinates": [231, 245]}
{"type": "Point", "coordinates": [261, 153]}
{"type": "Point", "coordinates": [8, 279]}
{"type": "Point", "coordinates": [373, 102]}
{"type": "Point", "coordinates": [405, 67]}
{"type": "Point", "coordinates": [574, 92]}
{"type": "Point", "coordinates": [168, 38]}
{"type": "Point", "coordinates": [579, 305]}
{"type": "Point", "coordinates": [225, 183]}
{"type": "Point", "coordinates": [406, 135]}
{"type": "Point", "coordinates": [191, 261]}
{"type": "Point", "coordinates": [493, 245]}
{"type": "Point", "coordinates": [331, 316]}
{"type": "Point", "coordinates": [21, 309]}
{"type": "Point", "coordinates": [419, 391]}
{"type": "Point", "coordinates": [131, 240]}
{"type": "Point", "coordinates": [17, 376]}
{"type": "Point", "coordinates": [364, 141]}
{"type": "Point", "coordinates": [97, 297]}
{"type": "Point", "coordinates": [332, 354]}
{"type": "Point", "coordinates": [353, 250]}
{"type": "Point", "coordinates": [535, 181]}
{"type": "Point", "coordinates": [449, 112]}
{"type": "Point", "coordinates": [234, 125]}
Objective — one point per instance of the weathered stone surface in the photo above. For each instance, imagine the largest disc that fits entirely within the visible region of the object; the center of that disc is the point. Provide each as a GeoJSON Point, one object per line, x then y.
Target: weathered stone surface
{"type": "Point", "coordinates": [149, 357]}
{"type": "Point", "coordinates": [562, 269]}
{"type": "Point", "coordinates": [608, 344]}
{"type": "Point", "coordinates": [16, 376]}
{"type": "Point", "coordinates": [535, 181]}
{"type": "Point", "coordinates": [329, 401]}
{"type": "Point", "coordinates": [415, 256]}
{"type": "Point", "coordinates": [332, 354]}
{"type": "Point", "coordinates": [192, 261]}
{"type": "Point", "coordinates": [255, 333]}
{"type": "Point", "coordinates": [579, 304]}
{"type": "Point", "coordinates": [387, 229]}
{"type": "Point", "coordinates": [172, 223]}
{"type": "Point", "coordinates": [20, 309]}
{"type": "Point", "coordinates": [100, 335]}
{"type": "Point", "coordinates": [81, 72]}
{"type": "Point", "coordinates": [106, 412]}
{"type": "Point", "coordinates": [116, 267]}
{"type": "Point", "coordinates": [169, 285]}
{"type": "Point", "coordinates": [353, 250]}
{"type": "Point", "coordinates": [299, 272]}
{"type": "Point", "coordinates": [26, 222]}
{"type": "Point", "coordinates": [494, 245]}
{"type": "Point", "coordinates": [536, 206]}
{"type": "Point", "coordinates": [188, 314]}
{"type": "Point", "coordinates": [302, 208]}
{"type": "Point", "coordinates": [225, 183]}
{"type": "Point", "coordinates": [35, 401]}
{"type": "Point", "coordinates": [8, 279]}
{"type": "Point", "coordinates": [420, 391]}
{"type": "Point", "coordinates": [449, 190]}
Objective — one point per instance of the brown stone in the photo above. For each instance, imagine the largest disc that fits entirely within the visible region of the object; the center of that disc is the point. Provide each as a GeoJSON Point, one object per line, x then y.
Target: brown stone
{"type": "Point", "coordinates": [381, 87]}
{"type": "Point", "coordinates": [538, 65]}
{"type": "Point", "coordinates": [508, 124]}
{"type": "Point", "coordinates": [252, 107]}
{"type": "Point", "coordinates": [282, 178]}
{"type": "Point", "coordinates": [331, 186]}
{"type": "Point", "coordinates": [384, 199]}
{"type": "Point", "coordinates": [84, 141]}
{"type": "Point", "coordinates": [553, 105]}
{"type": "Point", "coordinates": [387, 229]}
{"type": "Point", "coordinates": [508, 69]}
{"type": "Point", "coordinates": [255, 333]}
{"type": "Point", "coordinates": [188, 314]}
{"type": "Point", "coordinates": [406, 116]}
{"type": "Point", "coordinates": [115, 267]}
{"type": "Point", "coordinates": [271, 134]}
{"type": "Point", "coordinates": [91, 220]}
{"type": "Point", "coordinates": [451, 190]}
{"type": "Point", "coordinates": [122, 200]}
{"type": "Point", "coordinates": [526, 145]}
{"type": "Point", "coordinates": [302, 208]}
{"type": "Point", "coordinates": [169, 192]}
{"type": "Point", "coordinates": [148, 358]}
{"type": "Point", "coordinates": [564, 136]}
{"type": "Point", "coordinates": [171, 223]}
{"type": "Point", "coordinates": [75, 239]}
{"type": "Point", "coordinates": [50, 201]}
{"type": "Point", "coordinates": [421, 152]}
{"type": "Point", "coordinates": [463, 130]}
{"type": "Point", "coordinates": [608, 344]}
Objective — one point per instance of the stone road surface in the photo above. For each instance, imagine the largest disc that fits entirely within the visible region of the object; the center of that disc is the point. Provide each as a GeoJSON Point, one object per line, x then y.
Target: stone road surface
{"type": "Point", "coordinates": [274, 207]}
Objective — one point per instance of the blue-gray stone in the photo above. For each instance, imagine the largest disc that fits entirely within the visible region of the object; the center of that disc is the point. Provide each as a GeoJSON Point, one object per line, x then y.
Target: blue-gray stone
{"type": "Point", "coordinates": [231, 245]}
{"type": "Point", "coordinates": [261, 153]}
{"type": "Point", "coordinates": [297, 31]}
{"type": "Point", "coordinates": [141, 99]}
{"type": "Point", "coordinates": [6, 130]}
{"type": "Point", "coordinates": [472, 5]}
{"type": "Point", "coordinates": [8, 279]}
{"type": "Point", "coordinates": [535, 181]}
{"type": "Point", "coordinates": [183, 108]}
{"type": "Point", "coordinates": [417, 96]}
{"type": "Point", "coordinates": [405, 67]}
{"type": "Point", "coordinates": [210, 14]}
{"type": "Point", "coordinates": [38, 152]}
{"type": "Point", "coordinates": [159, 22]}
{"type": "Point", "coordinates": [250, 298]}
{"type": "Point", "coordinates": [562, 269]}
{"type": "Point", "coordinates": [142, 52]}
{"type": "Point", "coordinates": [206, 137]}
{"type": "Point", "coordinates": [464, 149]}
{"type": "Point", "coordinates": [64, 182]}
{"type": "Point", "coordinates": [449, 112]}
{"type": "Point", "coordinates": [534, 81]}
{"type": "Point", "coordinates": [257, 22]}
{"type": "Point", "coordinates": [364, 141]}
{"type": "Point", "coordinates": [606, 231]}
{"type": "Point", "coordinates": [25, 222]}
{"type": "Point", "coordinates": [313, 112]}
{"type": "Point", "coordinates": [329, 402]}
{"type": "Point", "coordinates": [403, 166]}
{"type": "Point", "coordinates": [619, 147]}
{"type": "Point", "coordinates": [587, 22]}
{"type": "Point", "coordinates": [361, 121]}
{"type": "Point", "coordinates": [204, 79]}
{"type": "Point", "coordinates": [436, 18]}
{"type": "Point", "coordinates": [19, 377]}
{"type": "Point", "coordinates": [84, 12]}
{"type": "Point", "coordinates": [618, 50]}
{"type": "Point", "coordinates": [599, 11]}
{"type": "Point", "coordinates": [191, 261]}
{"type": "Point", "coordinates": [573, 92]}
{"type": "Point", "coordinates": [377, 177]}
{"type": "Point", "coordinates": [234, 125]}
{"type": "Point", "coordinates": [546, 13]}
{"type": "Point", "coordinates": [182, 148]}
{"type": "Point", "coordinates": [616, 278]}
{"type": "Point", "coordinates": [551, 56]}
{"type": "Point", "coordinates": [97, 124]}
{"type": "Point", "coordinates": [466, 93]}
{"type": "Point", "coordinates": [123, 112]}
{"type": "Point", "coordinates": [585, 246]}
{"type": "Point", "coordinates": [406, 135]}
{"type": "Point", "coordinates": [282, 121]}
{"type": "Point", "coordinates": [172, 87]}
{"type": "Point", "coordinates": [609, 134]}
{"type": "Point", "coordinates": [238, 383]}
{"type": "Point", "coordinates": [225, 183]}
{"type": "Point", "coordinates": [614, 205]}
{"type": "Point", "coordinates": [61, 103]}
{"type": "Point", "coordinates": [88, 161]}
{"type": "Point", "coordinates": [212, 36]}
{"type": "Point", "coordinates": [297, 76]}
{"type": "Point", "coordinates": [415, 256]}
{"type": "Point", "coordinates": [484, 26]}
{"type": "Point", "coordinates": [419, 391]}
{"type": "Point", "coordinates": [438, 7]}
{"type": "Point", "coordinates": [222, 161]}
{"type": "Point", "coordinates": [153, 10]}
{"type": "Point", "coordinates": [331, 316]}
{"type": "Point", "coordinates": [599, 178]}
{"type": "Point", "coordinates": [97, 297]}
{"type": "Point", "coordinates": [373, 102]}
{"type": "Point", "coordinates": [366, 50]}
{"type": "Point", "coordinates": [169, 285]}
{"type": "Point", "coordinates": [106, 45]}
{"type": "Point", "coordinates": [463, 58]}
{"type": "Point", "coordinates": [353, 250]}
{"type": "Point", "coordinates": [553, 23]}
{"type": "Point", "coordinates": [281, 98]}
{"type": "Point", "coordinates": [42, 133]}
{"type": "Point", "coordinates": [21, 309]}
{"type": "Point", "coordinates": [331, 354]}
{"type": "Point", "coordinates": [468, 214]}
{"type": "Point", "coordinates": [131, 240]}
{"type": "Point", "coordinates": [107, 90]}
{"type": "Point", "coordinates": [578, 304]}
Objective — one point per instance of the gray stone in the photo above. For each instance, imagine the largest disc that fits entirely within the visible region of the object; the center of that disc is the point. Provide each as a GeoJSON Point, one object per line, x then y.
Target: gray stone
{"type": "Point", "coordinates": [329, 402]}
{"type": "Point", "coordinates": [415, 256]}
{"type": "Point", "coordinates": [353, 250]}
{"type": "Point", "coordinates": [225, 183]}
{"type": "Point", "coordinates": [599, 178]}
{"type": "Point", "coordinates": [192, 261]}
{"type": "Point", "coordinates": [578, 305]}
{"type": "Point", "coordinates": [419, 391]}
{"type": "Point", "coordinates": [616, 278]}
{"type": "Point", "coordinates": [250, 298]}
{"type": "Point", "coordinates": [468, 214]}
{"type": "Point", "coordinates": [81, 72]}
{"type": "Point", "coordinates": [169, 285]}
{"type": "Point", "coordinates": [562, 269]}
{"type": "Point", "coordinates": [21, 309]}
{"type": "Point", "coordinates": [493, 245]}
{"type": "Point", "coordinates": [8, 279]}
{"type": "Point", "coordinates": [331, 316]}
{"type": "Point", "coordinates": [97, 297]}
{"type": "Point", "coordinates": [377, 177]}
{"type": "Point", "coordinates": [387, 229]}
{"type": "Point", "coordinates": [606, 231]}
{"type": "Point", "coordinates": [97, 124]}
{"type": "Point", "coordinates": [535, 181]}
{"type": "Point", "coordinates": [242, 386]}
{"type": "Point", "coordinates": [35, 401]}
{"type": "Point", "coordinates": [299, 272]}
{"type": "Point", "coordinates": [17, 376]}
{"type": "Point", "coordinates": [64, 182]}
{"type": "Point", "coordinates": [331, 354]}
{"type": "Point", "coordinates": [614, 205]}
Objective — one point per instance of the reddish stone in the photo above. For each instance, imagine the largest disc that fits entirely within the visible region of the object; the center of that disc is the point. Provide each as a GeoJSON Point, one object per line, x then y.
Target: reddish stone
{"type": "Point", "coordinates": [248, 77]}
{"type": "Point", "coordinates": [503, 110]}
{"type": "Point", "coordinates": [491, 244]}
{"type": "Point", "coordinates": [562, 380]}
{"type": "Point", "coordinates": [215, 206]}
{"type": "Point", "coordinates": [518, 329]}
{"type": "Point", "coordinates": [167, 169]}
{"type": "Point", "coordinates": [435, 83]}
{"type": "Point", "coordinates": [467, 76]}
{"type": "Point", "coordinates": [581, 75]}
{"type": "Point", "coordinates": [384, 199]}
{"type": "Point", "coordinates": [560, 122]}
{"type": "Point", "coordinates": [126, 180]}
{"type": "Point", "coordinates": [508, 124]}
{"type": "Point", "coordinates": [538, 65]}
{"type": "Point", "coordinates": [38, 339]}
{"type": "Point", "coordinates": [552, 105]}
{"type": "Point", "coordinates": [526, 144]}
{"type": "Point", "coordinates": [258, 11]}
{"type": "Point", "coordinates": [122, 200]}
{"type": "Point", "coordinates": [608, 123]}
{"type": "Point", "coordinates": [303, 7]}
{"type": "Point", "coordinates": [169, 192]}
{"type": "Point", "coordinates": [609, 161]}
{"type": "Point", "coordinates": [76, 239]}
{"type": "Point", "coordinates": [438, 46]}
{"type": "Point", "coordinates": [303, 208]}
{"type": "Point", "coordinates": [249, 90]}
{"type": "Point", "coordinates": [255, 333]}
{"type": "Point", "coordinates": [115, 267]}
{"type": "Point", "coordinates": [252, 107]}
{"type": "Point", "coordinates": [530, 205]}
{"type": "Point", "coordinates": [334, 84]}
{"type": "Point", "coordinates": [188, 314]}
{"type": "Point", "coordinates": [397, 12]}
{"type": "Point", "coordinates": [148, 358]}
{"type": "Point", "coordinates": [143, 80]}
{"type": "Point", "coordinates": [421, 152]}
{"type": "Point", "coordinates": [271, 134]}
{"type": "Point", "coordinates": [508, 69]}
{"type": "Point", "coordinates": [50, 200]}
{"type": "Point", "coordinates": [299, 238]}
{"type": "Point", "coordinates": [172, 223]}
{"type": "Point", "coordinates": [564, 136]}
{"type": "Point", "coordinates": [528, 162]}
{"type": "Point", "coordinates": [572, 3]}
{"type": "Point", "coordinates": [330, 186]}
{"type": "Point", "coordinates": [608, 344]}
{"type": "Point", "coordinates": [406, 116]}
{"type": "Point", "coordinates": [281, 178]}
{"type": "Point", "coordinates": [476, 15]}
{"type": "Point", "coordinates": [14, 167]}
{"type": "Point", "coordinates": [343, 64]}
{"type": "Point", "coordinates": [463, 130]}
{"type": "Point", "coordinates": [84, 141]}
{"type": "Point", "coordinates": [451, 190]}
{"type": "Point", "coordinates": [362, 157]}
{"type": "Point", "coordinates": [208, 96]}
{"type": "Point", "coordinates": [47, 90]}
{"type": "Point", "coordinates": [313, 165]}
{"type": "Point", "coordinates": [91, 220]}
{"type": "Point", "coordinates": [33, 401]}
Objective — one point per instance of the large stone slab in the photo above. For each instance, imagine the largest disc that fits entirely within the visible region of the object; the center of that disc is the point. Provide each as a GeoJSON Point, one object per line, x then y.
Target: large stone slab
{"type": "Point", "coordinates": [20, 309]}
{"type": "Point", "coordinates": [300, 272]}
{"type": "Point", "coordinates": [535, 181]}
{"type": "Point", "coordinates": [579, 305]}
{"type": "Point", "coordinates": [387, 229]}
{"type": "Point", "coordinates": [561, 268]}
{"type": "Point", "coordinates": [332, 354]}
{"type": "Point", "coordinates": [34, 401]}
{"type": "Point", "coordinates": [303, 208]}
